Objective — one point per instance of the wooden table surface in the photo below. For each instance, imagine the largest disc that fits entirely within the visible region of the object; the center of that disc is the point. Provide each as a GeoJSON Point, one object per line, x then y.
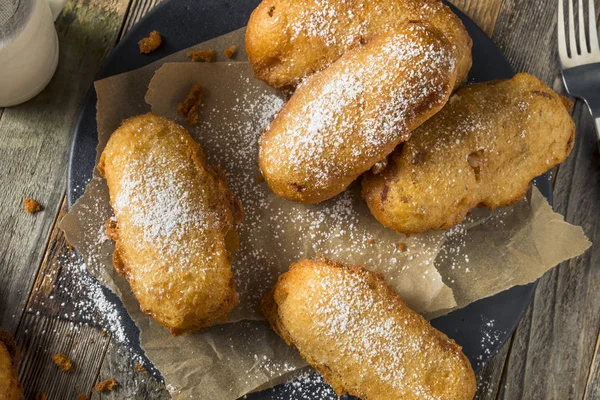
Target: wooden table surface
{"type": "Point", "coordinates": [552, 355]}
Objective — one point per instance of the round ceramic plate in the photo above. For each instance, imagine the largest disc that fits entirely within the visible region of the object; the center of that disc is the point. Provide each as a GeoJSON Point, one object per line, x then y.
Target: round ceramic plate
{"type": "Point", "coordinates": [481, 328]}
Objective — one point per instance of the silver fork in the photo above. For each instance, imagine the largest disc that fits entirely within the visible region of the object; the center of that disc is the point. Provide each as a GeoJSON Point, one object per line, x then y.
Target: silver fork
{"type": "Point", "coordinates": [581, 68]}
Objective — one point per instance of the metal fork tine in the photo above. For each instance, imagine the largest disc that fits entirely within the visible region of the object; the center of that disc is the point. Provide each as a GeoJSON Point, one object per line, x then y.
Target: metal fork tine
{"type": "Point", "coordinates": [572, 43]}
{"type": "Point", "coordinates": [593, 29]}
{"type": "Point", "coordinates": [562, 42]}
{"type": "Point", "coordinates": [583, 48]}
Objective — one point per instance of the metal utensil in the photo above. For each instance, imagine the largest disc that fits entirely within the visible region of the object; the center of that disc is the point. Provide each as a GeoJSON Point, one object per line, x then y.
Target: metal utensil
{"type": "Point", "coordinates": [580, 65]}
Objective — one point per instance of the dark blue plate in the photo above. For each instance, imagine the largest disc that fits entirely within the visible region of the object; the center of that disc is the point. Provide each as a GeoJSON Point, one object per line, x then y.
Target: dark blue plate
{"type": "Point", "coordinates": [186, 22]}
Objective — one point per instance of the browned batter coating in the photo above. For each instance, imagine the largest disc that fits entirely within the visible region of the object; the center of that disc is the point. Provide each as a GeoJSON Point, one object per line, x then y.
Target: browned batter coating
{"type": "Point", "coordinates": [175, 223]}
{"type": "Point", "coordinates": [150, 43]}
{"type": "Point", "coordinates": [10, 389]}
{"type": "Point", "coordinates": [345, 119]}
{"type": "Point", "coordinates": [288, 40]}
{"type": "Point", "coordinates": [482, 149]}
{"type": "Point", "coordinates": [190, 107]}
{"type": "Point", "coordinates": [202, 55]}
{"type": "Point", "coordinates": [351, 326]}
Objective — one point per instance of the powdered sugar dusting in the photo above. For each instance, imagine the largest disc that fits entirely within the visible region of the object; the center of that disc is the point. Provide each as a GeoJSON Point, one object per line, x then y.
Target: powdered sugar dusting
{"type": "Point", "coordinates": [358, 113]}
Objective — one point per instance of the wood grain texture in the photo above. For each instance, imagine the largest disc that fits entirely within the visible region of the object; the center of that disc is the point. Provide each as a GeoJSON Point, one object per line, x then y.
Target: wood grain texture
{"type": "Point", "coordinates": [553, 347]}
{"type": "Point", "coordinates": [43, 337]}
{"type": "Point", "coordinates": [34, 143]}
{"type": "Point", "coordinates": [137, 9]}
{"type": "Point", "coordinates": [592, 389]}
{"type": "Point", "coordinates": [133, 384]}
{"type": "Point", "coordinates": [483, 12]}
{"type": "Point", "coordinates": [555, 344]}
{"type": "Point", "coordinates": [488, 380]}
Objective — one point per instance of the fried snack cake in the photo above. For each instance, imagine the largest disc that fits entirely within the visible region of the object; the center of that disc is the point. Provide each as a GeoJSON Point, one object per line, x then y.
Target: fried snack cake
{"type": "Point", "coordinates": [10, 389]}
{"type": "Point", "coordinates": [345, 119]}
{"type": "Point", "coordinates": [175, 221]}
{"type": "Point", "coordinates": [288, 40]}
{"type": "Point", "coordinates": [351, 326]}
{"type": "Point", "coordinates": [482, 149]}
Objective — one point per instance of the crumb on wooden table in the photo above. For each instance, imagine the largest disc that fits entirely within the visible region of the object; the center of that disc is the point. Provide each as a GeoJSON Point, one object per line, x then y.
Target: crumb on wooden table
{"type": "Point", "coordinates": [41, 396]}
{"type": "Point", "coordinates": [230, 52]}
{"type": "Point", "coordinates": [202, 55]}
{"type": "Point", "coordinates": [62, 362]}
{"type": "Point", "coordinates": [190, 108]}
{"type": "Point", "coordinates": [82, 396]}
{"type": "Point", "coordinates": [31, 206]}
{"type": "Point", "coordinates": [371, 241]}
{"type": "Point", "coordinates": [107, 385]}
{"type": "Point", "coordinates": [140, 368]}
{"type": "Point", "coordinates": [150, 43]}
{"type": "Point", "coordinates": [103, 333]}
{"type": "Point", "coordinates": [402, 246]}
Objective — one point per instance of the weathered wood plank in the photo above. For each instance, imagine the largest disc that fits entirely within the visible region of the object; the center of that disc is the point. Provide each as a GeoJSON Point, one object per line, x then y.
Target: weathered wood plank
{"type": "Point", "coordinates": [483, 13]}
{"type": "Point", "coordinates": [488, 380]}
{"type": "Point", "coordinates": [551, 351]}
{"type": "Point", "coordinates": [133, 384]}
{"type": "Point", "coordinates": [557, 340]}
{"type": "Point", "coordinates": [592, 390]}
{"type": "Point", "coordinates": [34, 143]}
{"type": "Point", "coordinates": [137, 10]}
{"type": "Point", "coordinates": [42, 337]}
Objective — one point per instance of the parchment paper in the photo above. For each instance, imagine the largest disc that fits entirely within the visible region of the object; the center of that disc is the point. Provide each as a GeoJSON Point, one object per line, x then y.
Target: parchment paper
{"type": "Point", "coordinates": [503, 249]}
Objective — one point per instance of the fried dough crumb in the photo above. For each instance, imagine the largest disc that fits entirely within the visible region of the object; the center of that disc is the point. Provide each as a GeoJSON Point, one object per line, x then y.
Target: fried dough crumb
{"type": "Point", "coordinates": [371, 241]}
{"type": "Point", "coordinates": [230, 52]}
{"type": "Point", "coordinates": [82, 396]}
{"type": "Point", "coordinates": [103, 333]}
{"type": "Point", "coordinates": [62, 362]}
{"type": "Point", "coordinates": [31, 206]}
{"type": "Point", "coordinates": [140, 368]}
{"type": "Point", "coordinates": [202, 55]}
{"type": "Point", "coordinates": [150, 43]}
{"type": "Point", "coordinates": [107, 385]}
{"type": "Point", "coordinates": [402, 246]}
{"type": "Point", "coordinates": [110, 227]}
{"type": "Point", "coordinates": [41, 396]}
{"type": "Point", "coordinates": [190, 108]}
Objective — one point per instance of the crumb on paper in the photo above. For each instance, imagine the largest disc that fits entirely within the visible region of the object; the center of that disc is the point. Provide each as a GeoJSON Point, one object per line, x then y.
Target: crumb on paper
{"type": "Point", "coordinates": [150, 43]}
{"type": "Point", "coordinates": [230, 52]}
{"type": "Point", "coordinates": [140, 368]}
{"type": "Point", "coordinates": [202, 55]}
{"type": "Point", "coordinates": [62, 362]}
{"type": "Point", "coordinates": [82, 396]}
{"type": "Point", "coordinates": [31, 206]}
{"type": "Point", "coordinates": [41, 396]}
{"type": "Point", "coordinates": [401, 246]}
{"type": "Point", "coordinates": [110, 227]}
{"type": "Point", "coordinates": [107, 385]}
{"type": "Point", "coordinates": [190, 108]}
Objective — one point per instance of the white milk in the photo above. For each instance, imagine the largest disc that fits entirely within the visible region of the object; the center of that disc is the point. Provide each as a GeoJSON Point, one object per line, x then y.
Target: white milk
{"type": "Point", "coordinates": [28, 48]}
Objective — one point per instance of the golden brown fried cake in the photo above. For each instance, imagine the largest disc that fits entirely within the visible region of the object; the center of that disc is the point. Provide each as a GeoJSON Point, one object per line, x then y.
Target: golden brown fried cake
{"type": "Point", "coordinates": [175, 218]}
{"type": "Point", "coordinates": [351, 326]}
{"type": "Point", "coordinates": [10, 389]}
{"type": "Point", "coordinates": [287, 40]}
{"type": "Point", "coordinates": [482, 149]}
{"type": "Point", "coordinates": [346, 118]}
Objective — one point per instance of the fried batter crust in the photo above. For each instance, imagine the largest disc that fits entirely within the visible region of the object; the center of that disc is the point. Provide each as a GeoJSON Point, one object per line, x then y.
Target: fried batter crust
{"type": "Point", "coordinates": [345, 119]}
{"type": "Point", "coordinates": [10, 389]}
{"type": "Point", "coordinates": [288, 40]}
{"type": "Point", "coordinates": [351, 326]}
{"type": "Point", "coordinates": [175, 219]}
{"type": "Point", "coordinates": [482, 149]}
